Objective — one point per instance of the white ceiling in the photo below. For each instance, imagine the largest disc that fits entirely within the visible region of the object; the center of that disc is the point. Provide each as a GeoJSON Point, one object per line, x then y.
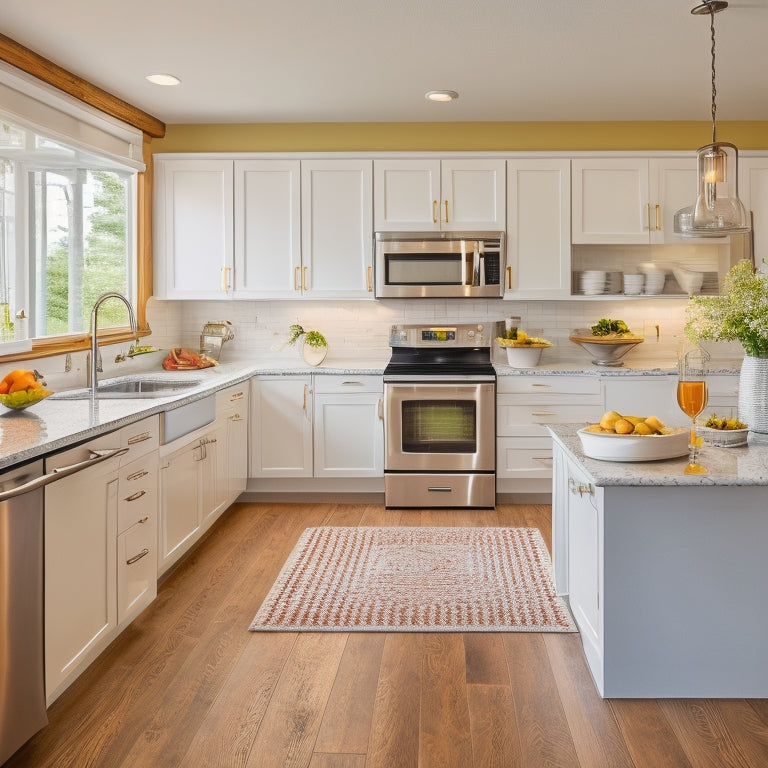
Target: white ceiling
{"type": "Point", "coordinates": [252, 61]}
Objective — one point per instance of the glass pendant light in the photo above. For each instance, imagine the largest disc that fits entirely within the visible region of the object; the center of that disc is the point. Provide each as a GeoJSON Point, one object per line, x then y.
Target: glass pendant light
{"type": "Point", "coordinates": [718, 211]}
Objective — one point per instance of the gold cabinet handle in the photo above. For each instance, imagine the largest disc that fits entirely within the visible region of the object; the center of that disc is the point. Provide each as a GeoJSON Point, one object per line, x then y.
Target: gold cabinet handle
{"type": "Point", "coordinates": [140, 438]}
{"type": "Point", "coordinates": [296, 271]}
{"type": "Point", "coordinates": [135, 496]}
{"type": "Point", "coordinates": [380, 408]}
{"type": "Point", "coordinates": [648, 215]}
{"type": "Point", "coordinates": [509, 278]}
{"type": "Point", "coordinates": [135, 559]}
{"type": "Point", "coordinates": [658, 217]}
{"type": "Point", "coordinates": [434, 211]}
{"type": "Point", "coordinates": [446, 211]}
{"type": "Point", "coordinates": [225, 278]}
{"type": "Point", "coordinates": [304, 404]}
{"type": "Point", "coordinates": [304, 278]}
{"type": "Point", "coordinates": [369, 279]}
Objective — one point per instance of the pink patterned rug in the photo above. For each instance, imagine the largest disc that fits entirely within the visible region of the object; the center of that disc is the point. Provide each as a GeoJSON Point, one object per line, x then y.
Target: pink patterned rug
{"type": "Point", "coordinates": [416, 580]}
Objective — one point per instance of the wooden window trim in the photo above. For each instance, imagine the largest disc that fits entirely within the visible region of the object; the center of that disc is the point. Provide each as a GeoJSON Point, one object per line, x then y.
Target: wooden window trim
{"type": "Point", "coordinates": [32, 63]}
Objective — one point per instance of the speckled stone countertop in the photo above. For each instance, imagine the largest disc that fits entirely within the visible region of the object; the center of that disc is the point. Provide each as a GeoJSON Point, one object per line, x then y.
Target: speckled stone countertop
{"type": "Point", "coordinates": [746, 465]}
{"type": "Point", "coordinates": [58, 422]}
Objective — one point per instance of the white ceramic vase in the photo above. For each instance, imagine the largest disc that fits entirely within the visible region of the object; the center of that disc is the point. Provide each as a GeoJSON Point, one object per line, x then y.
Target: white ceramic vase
{"type": "Point", "coordinates": [753, 397]}
{"type": "Point", "coordinates": [313, 355]}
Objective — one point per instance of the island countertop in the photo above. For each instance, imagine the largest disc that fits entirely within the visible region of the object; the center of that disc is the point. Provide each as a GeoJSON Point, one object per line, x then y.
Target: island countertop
{"type": "Point", "coordinates": [745, 465]}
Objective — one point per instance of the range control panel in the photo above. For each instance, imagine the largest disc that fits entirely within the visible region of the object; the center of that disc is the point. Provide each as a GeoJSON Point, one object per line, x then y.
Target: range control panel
{"type": "Point", "coordinates": [452, 335]}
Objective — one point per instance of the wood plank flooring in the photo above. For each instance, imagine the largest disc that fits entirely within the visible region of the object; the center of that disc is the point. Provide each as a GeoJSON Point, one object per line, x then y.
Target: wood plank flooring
{"type": "Point", "coordinates": [187, 685]}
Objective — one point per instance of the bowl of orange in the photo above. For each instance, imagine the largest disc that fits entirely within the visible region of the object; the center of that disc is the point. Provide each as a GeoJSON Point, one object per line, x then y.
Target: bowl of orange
{"type": "Point", "coordinates": [21, 388]}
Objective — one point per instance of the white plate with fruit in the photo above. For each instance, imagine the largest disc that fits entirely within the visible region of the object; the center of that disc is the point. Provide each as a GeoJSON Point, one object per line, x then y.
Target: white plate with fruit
{"type": "Point", "coordinates": [633, 438]}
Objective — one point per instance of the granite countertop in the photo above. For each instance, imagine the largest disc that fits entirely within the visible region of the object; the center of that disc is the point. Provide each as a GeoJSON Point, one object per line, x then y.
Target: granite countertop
{"type": "Point", "coordinates": [745, 465]}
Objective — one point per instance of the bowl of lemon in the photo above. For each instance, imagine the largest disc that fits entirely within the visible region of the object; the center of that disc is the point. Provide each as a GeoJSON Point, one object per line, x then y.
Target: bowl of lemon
{"type": "Point", "coordinates": [619, 437]}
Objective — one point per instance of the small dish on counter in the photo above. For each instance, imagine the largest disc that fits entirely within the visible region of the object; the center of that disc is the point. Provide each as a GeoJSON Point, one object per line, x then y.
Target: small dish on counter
{"type": "Point", "coordinates": [723, 438]}
{"type": "Point", "coordinates": [606, 446]}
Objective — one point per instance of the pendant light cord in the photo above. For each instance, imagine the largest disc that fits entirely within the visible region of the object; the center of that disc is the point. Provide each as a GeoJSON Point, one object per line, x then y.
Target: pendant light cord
{"type": "Point", "coordinates": [714, 89]}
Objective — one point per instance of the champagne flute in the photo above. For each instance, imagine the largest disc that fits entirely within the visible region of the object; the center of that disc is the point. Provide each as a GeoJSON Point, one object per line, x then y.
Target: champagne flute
{"type": "Point", "coordinates": [692, 399]}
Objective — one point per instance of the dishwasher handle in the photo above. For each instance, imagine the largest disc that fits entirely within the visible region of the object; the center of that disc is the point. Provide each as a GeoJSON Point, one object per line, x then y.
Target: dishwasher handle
{"type": "Point", "coordinates": [57, 474]}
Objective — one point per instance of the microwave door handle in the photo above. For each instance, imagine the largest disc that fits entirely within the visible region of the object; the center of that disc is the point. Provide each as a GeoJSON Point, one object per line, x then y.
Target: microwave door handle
{"type": "Point", "coordinates": [481, 248]}
{"type": "Point", "coordinates": [476, 266]}
{"type": "Point", "coordinates": [464, 277]}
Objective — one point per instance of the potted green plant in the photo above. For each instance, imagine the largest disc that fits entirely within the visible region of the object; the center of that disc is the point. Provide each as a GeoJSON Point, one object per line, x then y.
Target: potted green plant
{"type": "Point", "coordinates": [315, 346]}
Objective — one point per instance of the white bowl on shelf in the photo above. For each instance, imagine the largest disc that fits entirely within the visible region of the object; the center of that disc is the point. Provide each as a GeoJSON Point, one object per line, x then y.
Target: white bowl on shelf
{"type": "Point", "coordinates": [689, 280]}
{"type": "Point", "coordinates": [593, 281]}
{"type": "Point", "coordinates": [633, 284]}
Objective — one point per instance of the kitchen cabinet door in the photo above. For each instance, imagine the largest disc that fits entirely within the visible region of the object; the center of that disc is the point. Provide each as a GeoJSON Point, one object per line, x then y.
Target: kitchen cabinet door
{"type": "Point", "coordinates": [232, 412]}
{"type": "Point", "coordinates": [753, 190]}
{"type": "Point", "coordinates": [406, 195]}
{"type": "Point", "coordinates": [473, 194]}
{"type": "Point", "coordinates": [267, 226]}
{"type": "Point", "coordinates": [180, 503]}
{"type": "Point", "coordinates": [427, 195]}
{"type": "Point", "coordinates": [585, 560]}
{"type": "Point", "coordinates": [538, 229]}
{"type": "Point", "coordinates": [610, 200]}
{"type": "Point", "coordinates": [349, 434]}
{"type": "Point", "coordinates": [337, 230]}
{"type": "Point", "coordinates": [193, 234]}
{"type": "Point", "coordinates": [80, 566]}
{"type": "Point", "coordinates": [281, 426]}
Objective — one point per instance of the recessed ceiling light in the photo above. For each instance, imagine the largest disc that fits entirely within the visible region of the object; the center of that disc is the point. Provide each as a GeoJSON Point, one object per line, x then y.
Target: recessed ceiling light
{"type": "Point", "coordinates": [441, 95]}
{"type": "Point", "coordinates": [162, 79]}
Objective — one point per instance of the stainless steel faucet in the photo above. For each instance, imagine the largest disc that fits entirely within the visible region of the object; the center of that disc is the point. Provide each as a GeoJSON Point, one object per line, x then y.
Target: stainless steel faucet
{"type": "Point", "coordinates": [94, 364]}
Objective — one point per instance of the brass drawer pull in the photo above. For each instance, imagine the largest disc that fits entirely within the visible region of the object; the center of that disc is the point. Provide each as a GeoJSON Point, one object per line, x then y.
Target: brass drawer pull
{"type": "Point", "coordinates": [137, 475]}
{"type": "Point", "coordinates": [135, 559]}
{"type": "Point", "coordinates": [135, 496]}
{"type": "Point", "coordinates": [140, 438]}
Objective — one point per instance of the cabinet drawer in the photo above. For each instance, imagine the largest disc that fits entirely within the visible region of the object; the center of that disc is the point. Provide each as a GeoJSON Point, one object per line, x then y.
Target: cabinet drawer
{"type": "Point", "coordinates": [136, 569]}
{"type": "Point", "coordinates": [549, 385]}
{"type": "Point", "coordinates": [231, 396]}
{"type": "Point", "coordinates": [137, 492]}
{"type": "Point", "coordinates": [142, 437]}
{"type": "Point", "coordinates": [528, 419]}
{"type": "Point", "coordinates": [341, 384]}
{"type": "Point", "coordinates": [529, 457]}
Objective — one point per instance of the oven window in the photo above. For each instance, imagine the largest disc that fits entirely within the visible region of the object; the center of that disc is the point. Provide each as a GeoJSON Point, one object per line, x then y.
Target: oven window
{"type": "Point", "coordinates": [439, 426]}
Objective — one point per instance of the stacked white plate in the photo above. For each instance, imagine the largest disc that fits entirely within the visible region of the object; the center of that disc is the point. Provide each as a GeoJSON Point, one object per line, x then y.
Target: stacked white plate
{"type": "Point", "coordinates": [655, 277]}
{"type": "Point", "coordinates": [633, 284]}
{"type": "Point", "coordinates": [593, 282]}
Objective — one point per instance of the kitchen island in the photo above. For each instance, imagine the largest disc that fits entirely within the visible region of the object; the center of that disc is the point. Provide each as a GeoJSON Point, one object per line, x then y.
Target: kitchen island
{"type": "Point", "coordinates": [665, 572]}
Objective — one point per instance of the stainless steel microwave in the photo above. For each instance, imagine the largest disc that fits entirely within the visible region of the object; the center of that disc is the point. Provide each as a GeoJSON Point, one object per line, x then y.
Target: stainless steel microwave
{"type": "Point", "coordinates": [440, 264]}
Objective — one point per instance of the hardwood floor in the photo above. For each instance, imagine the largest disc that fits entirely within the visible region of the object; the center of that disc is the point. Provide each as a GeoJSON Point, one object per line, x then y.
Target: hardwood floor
{"type": "Point", "coordinates": [187, 685]}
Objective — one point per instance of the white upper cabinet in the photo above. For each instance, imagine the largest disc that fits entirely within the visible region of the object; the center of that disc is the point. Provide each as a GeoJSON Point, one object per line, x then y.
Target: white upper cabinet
{"type": "Point", "coordinates": [538, 229]}
{"type": "Point", "coordinates": [192, 228]}
{"type": "Point", "coordinates": [267, 227]}
{"type": "Point", "coordinates": [610, 200]}
{"type": "Point", "coordinates": [425, 195]}
{"type": "Point", "coordinates": [753, 190]}
{"type": "Point", "coordinates": [336, 230]}
{"type": "Point", "coordinates": [632, 200]}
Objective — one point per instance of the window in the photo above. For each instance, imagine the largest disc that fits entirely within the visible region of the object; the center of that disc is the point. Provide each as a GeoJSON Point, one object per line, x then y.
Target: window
{"type": "Point", "coordinates": [77, 239]}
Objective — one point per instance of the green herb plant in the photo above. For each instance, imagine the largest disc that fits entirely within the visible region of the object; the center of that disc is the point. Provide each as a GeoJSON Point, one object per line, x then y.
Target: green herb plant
{"type": "Point", "coordinates": [313, 338]}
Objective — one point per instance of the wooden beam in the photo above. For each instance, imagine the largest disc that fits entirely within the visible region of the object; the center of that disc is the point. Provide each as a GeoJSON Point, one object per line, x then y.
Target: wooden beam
{"type": "Point", "coordinates": [32, 63]}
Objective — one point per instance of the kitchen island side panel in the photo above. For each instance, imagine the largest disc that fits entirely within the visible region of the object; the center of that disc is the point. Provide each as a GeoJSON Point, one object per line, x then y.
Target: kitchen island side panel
{"type": "Point", "coordinates": [685, 608]}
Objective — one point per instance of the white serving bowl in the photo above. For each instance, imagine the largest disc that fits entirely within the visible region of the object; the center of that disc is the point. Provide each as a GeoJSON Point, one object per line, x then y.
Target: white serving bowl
{"type": "Point", "coordinates": [607, 446]}
{"type": "Point", "coordinates": [689, 280]}
{"type": "Point", "coordinates": [523, 357]}
{"type": "Point", "coordinates": [606, 352]}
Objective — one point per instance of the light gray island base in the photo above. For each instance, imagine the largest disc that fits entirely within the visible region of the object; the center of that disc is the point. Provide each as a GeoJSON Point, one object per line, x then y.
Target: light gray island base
{"type": "Point", "coordinates": [665, 573]}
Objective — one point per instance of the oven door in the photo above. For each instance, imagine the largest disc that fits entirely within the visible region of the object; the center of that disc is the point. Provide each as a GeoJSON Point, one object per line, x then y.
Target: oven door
{"type": "Point", "coordinates": [441, 427]}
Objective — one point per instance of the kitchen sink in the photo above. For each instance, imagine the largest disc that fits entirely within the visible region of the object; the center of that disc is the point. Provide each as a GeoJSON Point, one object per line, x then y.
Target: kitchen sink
{"type": "Point", "coordinates": [133, 388]}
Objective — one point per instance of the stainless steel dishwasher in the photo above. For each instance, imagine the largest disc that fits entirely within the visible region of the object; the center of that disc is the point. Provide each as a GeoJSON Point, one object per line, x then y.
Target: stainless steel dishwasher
{"type": "Point", "coordinates": [22, 663]}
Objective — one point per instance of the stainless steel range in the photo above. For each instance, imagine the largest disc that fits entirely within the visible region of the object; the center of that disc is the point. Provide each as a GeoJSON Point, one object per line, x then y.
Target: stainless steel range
{"type": "Point", "coordinates": [440, 417]}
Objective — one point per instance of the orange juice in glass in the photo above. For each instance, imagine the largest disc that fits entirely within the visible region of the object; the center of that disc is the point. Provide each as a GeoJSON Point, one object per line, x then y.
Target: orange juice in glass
{"type": "Point", "coordinates": [692, 399]}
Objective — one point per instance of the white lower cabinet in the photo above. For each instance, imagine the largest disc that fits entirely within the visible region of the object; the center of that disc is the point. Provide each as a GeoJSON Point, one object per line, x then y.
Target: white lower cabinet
{"type": "Point", "coordinates": [524, 405]}
{"type": "Point", "coordinates": [317, 426]}
{"type": "Point", "coordinates": [91, 588]}
{"type": "Point", "coordinates": [281, 426]}
{"type": "Point", "coordinates": [201, 474]}
{"type": "Point", "coordinates": [348, 426]}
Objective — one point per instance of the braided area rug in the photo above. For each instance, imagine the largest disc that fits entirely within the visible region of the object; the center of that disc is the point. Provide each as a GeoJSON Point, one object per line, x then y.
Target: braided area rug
{"type": "Point", "coordinates": [437, 579]}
